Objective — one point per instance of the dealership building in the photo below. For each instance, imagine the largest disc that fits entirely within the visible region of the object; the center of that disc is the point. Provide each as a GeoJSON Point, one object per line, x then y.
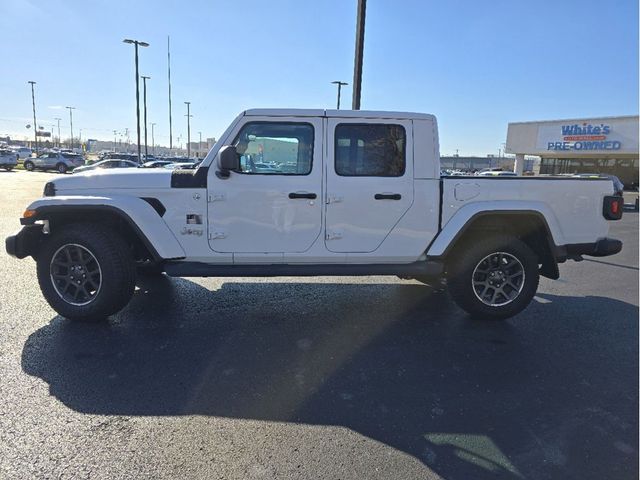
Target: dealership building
{"type": "Point", "coordinates": [580, 145]}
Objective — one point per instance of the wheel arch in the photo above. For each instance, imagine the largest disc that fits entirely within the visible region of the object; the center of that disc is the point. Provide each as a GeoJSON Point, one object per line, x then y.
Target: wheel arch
{"type": "Point", "coordinates": [140, 225]}
{"type": "Point", "coordinates": [530, 226]}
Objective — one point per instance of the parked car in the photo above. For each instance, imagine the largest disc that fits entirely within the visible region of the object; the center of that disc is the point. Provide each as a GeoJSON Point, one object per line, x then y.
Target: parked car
{"type": "Point", "coordinates": [156, 163]}
{"type": "Point", "coordinates": [23, 152]}
{"type": "Point", "coordinates": [59, 161]}
{"type": "Point", "coordinates": [175, 165]}
{"type": "Point", "coordinates": [104, 164]}
{"type": "Point", "coordinates": [371, 203]}
{"type": "Point", "coordinates": [618, 186]}
{"type": "Point", "coordinates": [500, 173]}
{"type": "Point", "coordinates": [8, 159]}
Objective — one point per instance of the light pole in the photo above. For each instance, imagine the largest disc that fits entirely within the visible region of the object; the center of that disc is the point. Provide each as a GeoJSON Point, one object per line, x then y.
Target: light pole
{"type": "Point", "coordinates": [35, 124]}
{"type": "Point", "coordinates": [137, 43]}
{"type": "Point", "coordinates": [153, 141]}
{"type": "Point", "coordinates": [71, 109]}
{"type": "Point", "coordinates": [188, 104]}
{"type": "Point", "coordinates": [114, 140]}
{"type": "Point", "coordinates": [340, 84]}
{"type": "Point", "coordinates": [58, 119]}
{"type": "Point", "coordinates": [357, 63]}
{"type": "Point", "coordinates": [80, 140]}
{"type": "Point", "coordinates": [169, 76]}
{"type": "Point", "coordinates": [199, 144]}
{"type": "Point", "coordinates": [144, 95]}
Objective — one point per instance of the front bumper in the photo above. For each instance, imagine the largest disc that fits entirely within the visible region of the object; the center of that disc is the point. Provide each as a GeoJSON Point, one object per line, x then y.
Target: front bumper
{"type": "Point", "coordinates": [26, 242]}
{"type": "Point", "coordinates": [602, 248]}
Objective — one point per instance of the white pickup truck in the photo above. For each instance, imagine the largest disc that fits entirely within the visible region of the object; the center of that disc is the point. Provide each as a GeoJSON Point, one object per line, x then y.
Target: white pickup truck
{"type": "Point", "coordinates": [313, 192]}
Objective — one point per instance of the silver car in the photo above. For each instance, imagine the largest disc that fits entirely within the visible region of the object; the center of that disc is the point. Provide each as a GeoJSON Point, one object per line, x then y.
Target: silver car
{"type": "Point", "coordinates": [59, 161]}
{"type": "Point", "coordinates": [8, 159]}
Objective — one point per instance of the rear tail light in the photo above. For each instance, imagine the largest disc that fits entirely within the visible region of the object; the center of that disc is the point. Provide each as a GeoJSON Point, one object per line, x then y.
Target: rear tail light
{"type": "Point", "coordinates": [612, 207]}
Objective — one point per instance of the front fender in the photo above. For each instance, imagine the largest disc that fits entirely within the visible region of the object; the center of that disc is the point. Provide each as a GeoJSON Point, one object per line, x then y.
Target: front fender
{"type": "Point", "coordinates": [141, 216]}
{"type": "Point", "coordinates": [461, 218]}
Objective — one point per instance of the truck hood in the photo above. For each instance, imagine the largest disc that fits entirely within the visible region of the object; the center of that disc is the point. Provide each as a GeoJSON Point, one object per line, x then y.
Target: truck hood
{"type": "Point", "coordinates": [115, 179]}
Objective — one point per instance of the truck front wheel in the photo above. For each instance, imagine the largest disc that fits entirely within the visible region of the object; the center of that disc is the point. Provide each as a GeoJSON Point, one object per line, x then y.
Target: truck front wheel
{"type": "Point", "coordinates": [86, 272]}
{"type": "Point", "coordinates": [494, 277]}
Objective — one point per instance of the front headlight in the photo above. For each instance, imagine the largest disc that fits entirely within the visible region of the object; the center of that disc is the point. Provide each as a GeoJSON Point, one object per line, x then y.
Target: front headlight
{"type": "Point", "coordinates": [49, 189]}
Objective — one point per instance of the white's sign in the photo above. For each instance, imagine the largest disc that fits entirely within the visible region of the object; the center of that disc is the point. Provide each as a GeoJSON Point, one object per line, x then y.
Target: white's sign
{"type": "Point", "coordinates": [606, 136]}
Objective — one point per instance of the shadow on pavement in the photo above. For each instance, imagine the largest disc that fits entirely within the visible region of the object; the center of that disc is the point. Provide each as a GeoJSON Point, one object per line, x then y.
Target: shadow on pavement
{"type": "Point", "coordinates": [550, 393]}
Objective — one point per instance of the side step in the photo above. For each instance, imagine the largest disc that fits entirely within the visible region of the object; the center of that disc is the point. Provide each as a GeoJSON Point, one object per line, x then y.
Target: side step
{"type": "Point", "coordinates": [428, 268]}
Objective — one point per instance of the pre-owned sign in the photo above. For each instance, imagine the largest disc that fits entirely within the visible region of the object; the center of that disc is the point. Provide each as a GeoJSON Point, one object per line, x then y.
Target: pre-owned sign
{"type": "Point", "coordinates": [585, 136]}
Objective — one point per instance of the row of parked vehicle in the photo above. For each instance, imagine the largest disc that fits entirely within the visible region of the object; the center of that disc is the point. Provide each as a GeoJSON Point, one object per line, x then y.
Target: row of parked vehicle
{"type": "Point", "coordinates": [66, 161]}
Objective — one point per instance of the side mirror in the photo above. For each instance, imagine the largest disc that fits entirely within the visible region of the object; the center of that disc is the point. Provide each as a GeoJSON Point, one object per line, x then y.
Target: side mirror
{"type": "Point", "coordinates": [227, 161]}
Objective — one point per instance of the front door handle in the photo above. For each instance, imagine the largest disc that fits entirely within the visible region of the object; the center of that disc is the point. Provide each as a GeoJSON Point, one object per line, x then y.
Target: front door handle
{"type": "Point", "coordinates": [311, 196]}
{"type": "Point", "coordinates": [387, 196]}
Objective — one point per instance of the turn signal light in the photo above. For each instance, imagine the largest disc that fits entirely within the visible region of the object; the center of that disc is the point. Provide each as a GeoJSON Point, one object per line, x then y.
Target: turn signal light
{"type": "Point", "coordinates": [28, 213]}
{"type": "Point", "coordinates": [614, 207]}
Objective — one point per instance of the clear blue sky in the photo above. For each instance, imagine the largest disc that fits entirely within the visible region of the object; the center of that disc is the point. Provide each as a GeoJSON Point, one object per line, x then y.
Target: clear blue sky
{"type": "Point", "coordinates": [475, 65]}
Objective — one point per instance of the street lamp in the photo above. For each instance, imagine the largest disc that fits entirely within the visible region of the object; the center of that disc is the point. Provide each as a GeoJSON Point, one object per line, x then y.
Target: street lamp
{"type": "Point", "coordinates": [58, 119]}
{"type": "Point", "coordinates": [153, 141]}
{"type": "Point", "coordinates": [188, 115]}
{"type": "Point", "coordinates": [144, 95]}
{"type": "Point", "coordinates": [71, 109]}
{"type": "Point", "coordinates": [35, 125]}
{"type": "Point", "coordinates": [340, 84]}
{"type": "Point", "coordinates": [199, 144]}
{"type": "Point", "coordinates": [137, 43]}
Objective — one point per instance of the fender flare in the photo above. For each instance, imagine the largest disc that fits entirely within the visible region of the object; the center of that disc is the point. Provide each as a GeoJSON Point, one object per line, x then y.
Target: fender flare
{"type": "Point", "coordinates": [143, 219]}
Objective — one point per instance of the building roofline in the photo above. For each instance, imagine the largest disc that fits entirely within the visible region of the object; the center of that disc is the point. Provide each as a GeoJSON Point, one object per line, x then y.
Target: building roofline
{"type": "Point", "coordinates": [576, 119]}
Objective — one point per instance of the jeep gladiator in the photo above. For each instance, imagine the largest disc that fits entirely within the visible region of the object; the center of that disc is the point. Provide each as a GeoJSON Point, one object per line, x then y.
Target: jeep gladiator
{"type": "Point", "coordinates": [313, 192]}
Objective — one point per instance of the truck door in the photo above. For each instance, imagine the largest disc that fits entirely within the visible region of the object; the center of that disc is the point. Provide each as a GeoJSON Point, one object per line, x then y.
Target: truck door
{"type": "Point", "coordinates": [273, 204]}
{"type": "Point", "coordinates": [369, 181]}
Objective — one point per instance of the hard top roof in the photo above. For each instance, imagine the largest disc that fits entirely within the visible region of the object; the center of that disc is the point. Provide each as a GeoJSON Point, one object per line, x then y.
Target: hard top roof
{"type": "Point", "coordinates": [301, 112]}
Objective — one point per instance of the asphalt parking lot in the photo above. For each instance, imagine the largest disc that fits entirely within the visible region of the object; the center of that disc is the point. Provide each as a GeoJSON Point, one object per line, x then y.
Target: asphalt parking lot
{"type": "Point", "coordinates": [320, 378]}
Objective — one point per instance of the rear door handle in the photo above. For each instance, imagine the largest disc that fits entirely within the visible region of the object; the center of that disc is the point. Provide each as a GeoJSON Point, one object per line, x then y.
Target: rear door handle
{"type": "Point", "coordinates": [387, 196]}
{"type": "Point", "coordinates": [302, 195]}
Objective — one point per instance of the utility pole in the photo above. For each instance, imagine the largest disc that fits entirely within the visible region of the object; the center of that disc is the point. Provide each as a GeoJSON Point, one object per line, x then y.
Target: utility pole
{"type": "Point", "coordinates": [58, 119]}
{"type": "Point", "coordinates": [35, 124]}
{"type": "Point", "coordinates": [144, 88]}
{"type": "Point", "coordinates": [169, 75]}
{"type": "Point", "coordinates": [114, 140]}
{"type": "Point", "coordinates": [71, 109]}
{"type": "Point", "coordinates": [340, 84]}
{"type": "Point", "coordinates": [188, 104]}
{"type": "Point", "coordinates": [357, 64]}
{"type": "Point", "coordinates": [153, 141]}
{"type": "Point", "coordinates": [199, 144]}
{"type": "Point", "coordinates": [137, 43]}
{"type": "Point", "coordinates": [126, 134]}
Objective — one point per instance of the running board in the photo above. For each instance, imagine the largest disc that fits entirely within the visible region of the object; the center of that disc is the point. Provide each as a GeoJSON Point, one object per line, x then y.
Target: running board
{"type": "Point", "coordinates": [427, 268]}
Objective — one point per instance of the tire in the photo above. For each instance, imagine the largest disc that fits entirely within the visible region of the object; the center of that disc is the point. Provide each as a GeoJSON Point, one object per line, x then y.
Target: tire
{"type": "Point", "coordinates": [8, 169]}
{"type": "Point", "coordinates": [28, 165]}
{"type": "Point", "coordinates": [105, 259]}
{"type": "Point", "coordinates": [501, 292]}
{"type": "Point", "coordinates": [61, 168]}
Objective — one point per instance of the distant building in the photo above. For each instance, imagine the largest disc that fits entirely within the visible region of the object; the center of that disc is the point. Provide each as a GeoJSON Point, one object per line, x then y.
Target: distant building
{"type": "Point", "coordinates": [469, 164]}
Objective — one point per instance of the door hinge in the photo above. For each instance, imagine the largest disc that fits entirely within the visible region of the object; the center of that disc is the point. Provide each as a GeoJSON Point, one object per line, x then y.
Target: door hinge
{"type": "Point", "coordinates": [334, 199]}
{"type": "Point", "coordinates": [215, 197]}
{"type": "Point", "coordinates": [217, 235]}
{"type": "Point", "coordinates": [333, 236]}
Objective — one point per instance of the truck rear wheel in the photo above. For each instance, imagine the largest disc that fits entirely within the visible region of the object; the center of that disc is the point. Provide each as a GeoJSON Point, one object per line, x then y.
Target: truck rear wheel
{"type": "Point", "coordinates": [494, 277]}
{"type": "Point", "coordinates": [86, 272]}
